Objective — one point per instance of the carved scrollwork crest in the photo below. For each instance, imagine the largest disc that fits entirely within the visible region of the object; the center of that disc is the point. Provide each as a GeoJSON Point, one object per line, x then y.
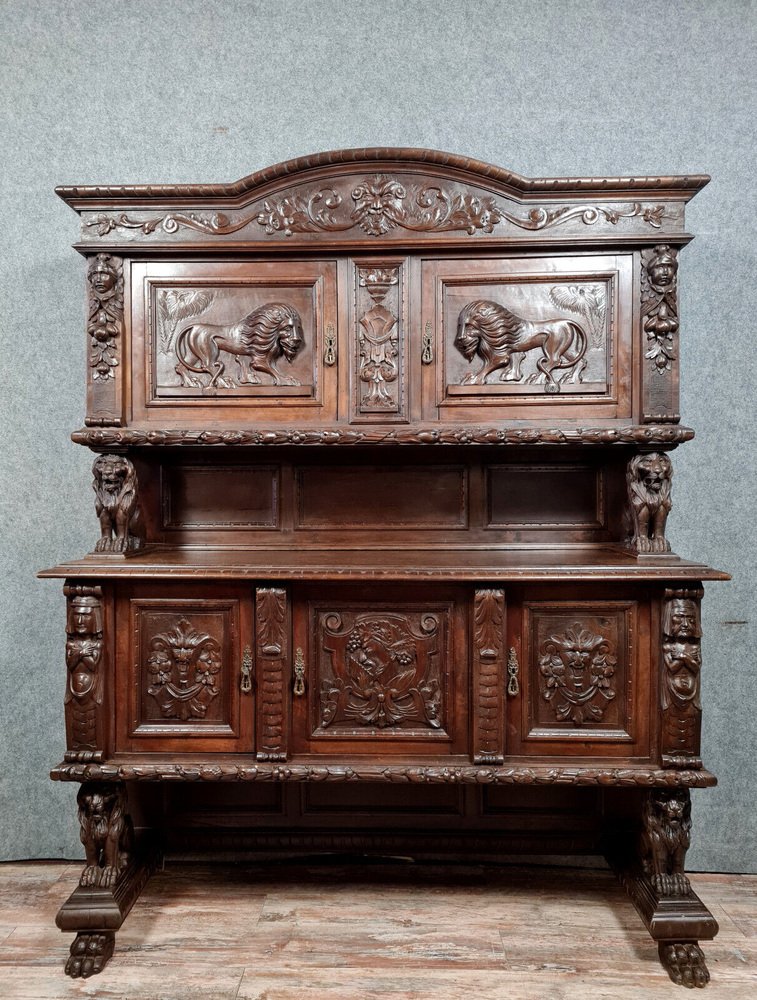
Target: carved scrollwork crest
{"type": "Point", "coordinates": [183, 666]}
{"type": "Point", "coordinates": [383, 672]}
{"type": "Point", "coordinates": [577, 667]}
{"type": "Point", "coordinates": [106, 313]}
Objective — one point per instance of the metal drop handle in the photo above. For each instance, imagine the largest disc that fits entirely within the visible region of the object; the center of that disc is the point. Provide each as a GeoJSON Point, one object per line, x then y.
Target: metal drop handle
{"type": "Point", "coordinates": [427, 354]}
{"type": "Point", "coordinates": [245, 685]}
{"type": "Point", "coordinates": [513, 687]}
{"type": "Point", "coordinates": [299, 673]}
{"type": "Point", "coordinates": [329, 354]}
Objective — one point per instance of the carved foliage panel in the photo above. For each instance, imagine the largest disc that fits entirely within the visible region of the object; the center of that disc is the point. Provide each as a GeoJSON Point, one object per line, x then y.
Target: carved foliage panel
{"type": "Point", "coordinates": [380, 671]}
{"type": "Point", "coordinates": [105, 333]}
{"type": "Point", "coordinates": [659, 334]}
{"type": "Point", "coordinates": [579, 670]}
{"type": "Point", "coordinates": [273, 671]}
{"type": "Point", "coordinates": [379, 342]}
{"type": "Point", "coordinates": [488, 676]}
{"type": "Point", "coordinates": [185, 668]}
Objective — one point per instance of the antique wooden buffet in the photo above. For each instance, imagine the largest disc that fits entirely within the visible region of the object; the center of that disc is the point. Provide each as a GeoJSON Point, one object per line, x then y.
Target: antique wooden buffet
{"type": "Point", "coordinates": [382, 478]}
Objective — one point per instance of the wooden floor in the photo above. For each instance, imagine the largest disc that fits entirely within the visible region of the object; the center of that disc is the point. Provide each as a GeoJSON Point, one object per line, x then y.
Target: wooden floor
{"type": "Point", "coordinates": [338, 931]}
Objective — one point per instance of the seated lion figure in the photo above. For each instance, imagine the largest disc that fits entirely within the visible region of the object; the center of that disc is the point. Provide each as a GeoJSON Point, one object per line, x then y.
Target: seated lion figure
{"type": "Point", "coordinates": [501, 339]}
{"type": "Point", "coordinates": [270, 332]}
{"type": "Point", "coordinates": [665, 839]}
{"type": "Point", "coordinates": [648, 478]}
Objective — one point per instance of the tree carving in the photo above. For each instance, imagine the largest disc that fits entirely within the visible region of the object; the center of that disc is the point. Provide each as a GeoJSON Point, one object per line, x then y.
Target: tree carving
{"type": "Point", "coordinates": [665, 838]}
{"type": "Point", "coordinates": [84, 653]}
{"type": "Point", "coordinates": [577, 667]}
{"type": "Point", "coordinates": [648, 479]}
{"type": "Point", "coordinates": [106, 313]}
{"type": "Point", "coordinates": [589, 301]}
{"type": "Point", "coordinates": [183, 669]}
{"type": "Point", "coordinates": [267, 334]}
{"type": "Point", "coordinates": [105, 831]}
{"type": "Point", "coordinates": [173, 306]}
{"type": "Point", "coordinates": [659, 304]}
{"type": "Point", "coordinates": [117, 504]}
{"type": "Point", "coordinates": [682, 661]}
{"type": "Point", "coordinates": [378, 341]}
{"type": "Point", "coordinates": [383, 673]}
{"type": "Point", "coordinates": [501, 339]}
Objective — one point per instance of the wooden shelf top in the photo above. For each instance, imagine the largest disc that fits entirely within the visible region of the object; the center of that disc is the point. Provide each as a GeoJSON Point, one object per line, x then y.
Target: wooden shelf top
{"type": "Point", "coordinates": [589, 563]}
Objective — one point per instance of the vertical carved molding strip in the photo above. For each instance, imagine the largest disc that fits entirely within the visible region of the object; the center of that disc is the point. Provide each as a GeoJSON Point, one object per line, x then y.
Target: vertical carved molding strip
{"type": "Point", "coordinates": [272, 655]}
{"type": "Point", "coordinates": [648, 480]}
{"type": "Point", "coordinates": [380, 340]}
{"type": "Point", "coordinates": [681, 666]}
{"type": "Point", "coordinates": [489, 676]}
{"type": "Point", "coordinates": [659, 322]}
{"type": "Point", "coordinates": [85, 655]}
{"type": "Point", "coordinates": [117, 504]}
{"type": "Point", "coordinates": [105, 329]}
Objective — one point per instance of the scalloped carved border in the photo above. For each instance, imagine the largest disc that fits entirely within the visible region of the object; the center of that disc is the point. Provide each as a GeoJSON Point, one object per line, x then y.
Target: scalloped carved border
{"type": "Point", "coordinates": [463, 774]}
{"type": "Point", "coordinates": [653, 434]}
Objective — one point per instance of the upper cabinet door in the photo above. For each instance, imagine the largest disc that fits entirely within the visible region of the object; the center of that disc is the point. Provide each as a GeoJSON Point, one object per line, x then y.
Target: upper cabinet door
{"type": "Point", "coordinates": [528, 337]}
{"type": "Point", "coordinates": [234, 336]}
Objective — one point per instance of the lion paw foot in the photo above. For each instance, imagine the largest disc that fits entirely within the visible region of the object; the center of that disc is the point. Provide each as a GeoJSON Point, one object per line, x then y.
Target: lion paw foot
{"type": "Point", "coordinates": [90, 954]}
{"type": "Point", "coordinates": [685, 963]}
{"type": "Point", "coordinates": [671, 885]}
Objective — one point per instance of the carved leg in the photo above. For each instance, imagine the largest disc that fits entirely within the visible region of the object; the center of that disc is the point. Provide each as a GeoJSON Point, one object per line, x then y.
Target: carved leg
{"type": "Point", "coordinates": [90, 954]}
{"type": "Point", "coordinates": [111, 881]}
{"type": "Point", "coordinates": [654, 878]}
{"type": "Point", "coordinates": [685, 963]}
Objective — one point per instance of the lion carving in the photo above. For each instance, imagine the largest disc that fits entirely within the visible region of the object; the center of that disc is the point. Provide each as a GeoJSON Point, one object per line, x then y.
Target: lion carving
{"type": "Point", "coordinates": [501, 339]}
{"type": "Point", "coordinates": [106, 832]}
{"type": "Point", "coordinates": [115, 486]}
{"type": "Point", "coordinates": [648, 480]}
{"type": "Point", "coordinates": [665, 840]}
{"type": "Point", "coordinates": [257, 342]}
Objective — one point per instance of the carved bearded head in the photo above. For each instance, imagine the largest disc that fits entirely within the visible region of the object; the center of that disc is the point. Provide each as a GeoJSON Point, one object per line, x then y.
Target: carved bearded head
{"type": "Point", "coordinates": [378, 204]}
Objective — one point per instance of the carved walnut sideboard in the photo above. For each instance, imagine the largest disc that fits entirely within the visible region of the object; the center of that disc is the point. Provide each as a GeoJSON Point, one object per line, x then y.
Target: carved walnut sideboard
{"type": "Point", "coordinates": [382, 473]}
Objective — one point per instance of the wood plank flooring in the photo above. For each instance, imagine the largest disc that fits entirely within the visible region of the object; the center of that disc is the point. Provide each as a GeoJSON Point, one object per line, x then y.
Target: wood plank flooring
{"type": "Point", "coordinates": [340, 931]}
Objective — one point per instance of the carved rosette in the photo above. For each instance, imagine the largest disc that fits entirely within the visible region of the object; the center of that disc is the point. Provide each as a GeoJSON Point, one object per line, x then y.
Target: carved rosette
{"type": "Point", "coordinates": [384, 673]}
{"type": "Point", "coordinates": [183, 667]}
{"type": "Point", "coordinates": [665, 839]}
{"type": "Point", "coordinates": [659, 305]}
{"type": "Point", "coordinates": [272, 646]}
{"type": "Point", "coordinates": [105, 831]}
{"type": "Point", "coordinates": [84, 662]}
{"type": "Point", "coordinates": [489, 646]}
{"type": "Point", "coordinates": [682, 663]}
{"type": "Point", "coordinates": [378, 339]}
{"type": "Point", "coordinates": [117, 504]}
{"type": "Point", "coordinates": [648, 479]}
{"type": "Point", "coordinates": [106, 313]}
{"type": "Point", "coordinates": [577, 667]}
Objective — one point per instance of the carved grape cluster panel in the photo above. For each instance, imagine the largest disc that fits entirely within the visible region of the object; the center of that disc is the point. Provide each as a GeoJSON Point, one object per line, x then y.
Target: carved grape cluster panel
{"type": "Point", "coordinates": [381, 672]}
{"type": "Point", "coordinates": [659, 305]}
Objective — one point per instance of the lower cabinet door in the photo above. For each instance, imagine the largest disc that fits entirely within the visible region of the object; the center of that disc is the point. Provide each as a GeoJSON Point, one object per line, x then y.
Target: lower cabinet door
{"type": "Point", "coordinates": [585, 661]}
{"type": "Point", "coordinates": [182, 662]}
{"type": "Point", "coordinates": [382, 670]}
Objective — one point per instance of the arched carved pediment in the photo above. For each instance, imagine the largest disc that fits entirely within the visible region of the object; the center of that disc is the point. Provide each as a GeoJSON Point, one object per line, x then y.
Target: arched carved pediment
{"type": "Point", "coordinates": [382, 195]}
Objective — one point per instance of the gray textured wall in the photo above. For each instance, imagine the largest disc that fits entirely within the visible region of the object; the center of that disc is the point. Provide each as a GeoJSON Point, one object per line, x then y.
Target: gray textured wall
{"type": "Point", "coordinates": [197, 91]}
